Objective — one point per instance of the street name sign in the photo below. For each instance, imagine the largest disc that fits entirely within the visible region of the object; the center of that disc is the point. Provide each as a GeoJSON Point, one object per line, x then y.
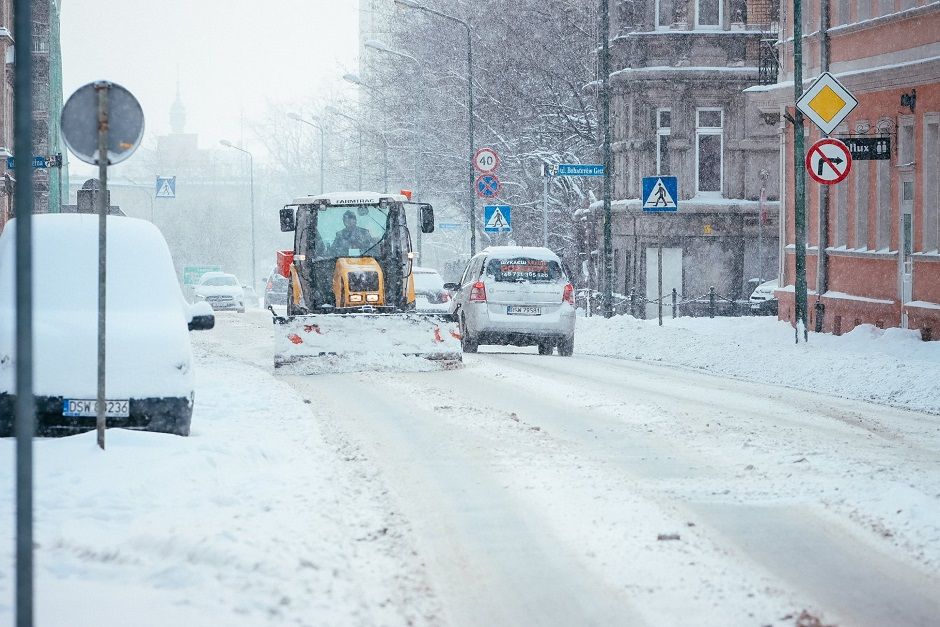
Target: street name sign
{"type": "Point", "coordinates": [579, 169]}
{"type": "Point", "coordinates": [868, 148]}
{"type": "Point", "coordinates": [660, 193]}
{"type": "Point", "coordinates": [497, 219]}
{"type": "Point", "coordinates": [828, 161]}
{"type": "Point", "coordinates": [485, 160]}
{"type": "Point", "coordinates": [450, 226]}
{"type": "Point", "coordinates": [166, 187]}
{"type": "Point", "coordinates": [487, 186]}
{"type": "Point", "coordinates": [827, 102]}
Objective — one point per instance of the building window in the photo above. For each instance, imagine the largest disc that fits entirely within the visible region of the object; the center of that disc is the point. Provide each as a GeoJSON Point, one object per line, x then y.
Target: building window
{"type": "Point", "coordinates": [708, 151]}
{"type": "Point", "coordinates": [864, 10]}
{"type": "Point", "coordinates": [708, 13]}
{"type": "Point", "coordinates": [861, 204]}
{"type": "Point", "coordinates": [885, 7]}
{"type": "Point", "coordinates": [663, 131]}
{"type": "Point", "coordinates": [843, 17]}
{"type": "Point", "coordinates": [664, 14]}
{"type": "Point", "coordinates": [905, 140]}
{"type": "Point", "coordinates": [931, 179]}
{"type": "Point", "coordinates": [840, 210]}
{"type": "Point", "coordinates": [883, 209]}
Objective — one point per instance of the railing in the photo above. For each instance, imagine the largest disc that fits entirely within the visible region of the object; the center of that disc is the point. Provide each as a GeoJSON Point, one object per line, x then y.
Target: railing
{"type": "Point", "coordinates": [710, 304]}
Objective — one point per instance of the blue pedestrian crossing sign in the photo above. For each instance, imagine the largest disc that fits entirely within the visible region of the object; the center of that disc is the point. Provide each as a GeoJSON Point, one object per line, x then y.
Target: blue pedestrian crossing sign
{"type": "Point", "coordinates": [497, 219]}
{"type": "Point", "coordinates": [166, 187]}
{"type": "Point", "coordinates": [660, 193]}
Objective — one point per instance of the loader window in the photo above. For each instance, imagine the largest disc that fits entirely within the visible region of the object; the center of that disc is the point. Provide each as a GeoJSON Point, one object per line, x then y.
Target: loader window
{"type": "Point", "coordinates": [350, 231]}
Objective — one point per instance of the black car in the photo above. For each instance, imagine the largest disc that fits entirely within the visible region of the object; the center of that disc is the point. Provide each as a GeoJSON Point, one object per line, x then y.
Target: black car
{"type": "Point", "coordinates": [275, 289]}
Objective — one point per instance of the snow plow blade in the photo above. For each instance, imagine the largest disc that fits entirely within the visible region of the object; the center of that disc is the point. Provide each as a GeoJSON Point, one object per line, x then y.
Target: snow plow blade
{"type": "Point", "coordinates": [322, 343]}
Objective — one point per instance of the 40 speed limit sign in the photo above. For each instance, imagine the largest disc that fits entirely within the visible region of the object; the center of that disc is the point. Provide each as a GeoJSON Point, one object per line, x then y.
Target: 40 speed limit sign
{"type": "Point", "coordinates": [485, 160]}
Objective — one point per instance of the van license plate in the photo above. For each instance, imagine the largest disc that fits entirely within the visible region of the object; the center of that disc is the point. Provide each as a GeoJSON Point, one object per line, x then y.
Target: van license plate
{"type": "Point", "coordinates": [81, 407]}
{"type": "Point", "coordinates": [516, 310]}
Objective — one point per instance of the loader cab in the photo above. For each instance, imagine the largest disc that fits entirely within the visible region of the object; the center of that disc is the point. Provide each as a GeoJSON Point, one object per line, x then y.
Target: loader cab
{"type": "Point", "coordinates": [350, 250]}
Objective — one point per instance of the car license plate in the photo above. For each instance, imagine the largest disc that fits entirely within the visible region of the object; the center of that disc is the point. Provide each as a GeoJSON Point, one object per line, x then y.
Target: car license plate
{"type": "Point", "coordinates": [81, 407]}
{"type": "Point", "coordinates": [517, 310]}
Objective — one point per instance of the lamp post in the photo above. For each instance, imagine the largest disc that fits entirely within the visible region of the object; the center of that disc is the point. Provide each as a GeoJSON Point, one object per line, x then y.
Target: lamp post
{"type": "Point", "coordinates": [381, 47]}
{"type": "Point", "coordinates": [251, 197]}
{"type": "Point", "coordinates": [472, 206]}
{"type": "Point", "coordinates": [315, 124]}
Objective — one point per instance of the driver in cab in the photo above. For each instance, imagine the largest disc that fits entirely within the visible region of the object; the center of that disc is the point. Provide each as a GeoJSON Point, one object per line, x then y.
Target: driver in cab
{"type": "Point", "coordinates": [351, 236]}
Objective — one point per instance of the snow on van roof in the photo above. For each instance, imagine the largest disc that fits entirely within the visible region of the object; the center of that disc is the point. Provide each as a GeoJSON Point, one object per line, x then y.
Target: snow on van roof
{"type": "Point", "coordinates": [532, 252]}
{"type": "Point", "coordinates": [349, 198]}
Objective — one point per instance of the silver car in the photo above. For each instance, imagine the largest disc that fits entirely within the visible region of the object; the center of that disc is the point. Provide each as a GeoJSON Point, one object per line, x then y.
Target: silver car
{"type": "Point", "coordinates": [518, 295]}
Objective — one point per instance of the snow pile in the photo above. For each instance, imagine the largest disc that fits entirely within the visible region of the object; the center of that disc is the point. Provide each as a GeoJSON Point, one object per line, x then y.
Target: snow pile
{"type": "Point", "coordinates": [257, 518]}
{"type": "Point", "coordinates": [892, 366]}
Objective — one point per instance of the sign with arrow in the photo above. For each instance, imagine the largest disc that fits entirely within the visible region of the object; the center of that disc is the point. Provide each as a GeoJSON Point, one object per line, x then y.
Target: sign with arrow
{"type": "Point", "coordinates": [828, 161]}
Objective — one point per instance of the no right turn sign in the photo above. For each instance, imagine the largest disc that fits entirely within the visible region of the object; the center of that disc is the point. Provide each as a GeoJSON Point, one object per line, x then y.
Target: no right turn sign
{"type": "Point", "coordinates": [828, 161]}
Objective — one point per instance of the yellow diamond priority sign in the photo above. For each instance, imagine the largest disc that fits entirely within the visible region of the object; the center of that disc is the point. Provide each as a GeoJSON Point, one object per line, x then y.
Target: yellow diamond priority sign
{"type": "Point", "coordinates": [827, 102]}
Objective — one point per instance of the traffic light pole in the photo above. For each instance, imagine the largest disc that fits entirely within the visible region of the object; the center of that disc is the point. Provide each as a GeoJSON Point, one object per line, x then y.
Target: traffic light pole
{"type": "Point", "coordinates": [608, 161]}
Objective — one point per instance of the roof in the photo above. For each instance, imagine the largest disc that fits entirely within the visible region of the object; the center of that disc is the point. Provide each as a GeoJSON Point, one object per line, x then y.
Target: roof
{"type": "Point", "coordinates": [349, 198]}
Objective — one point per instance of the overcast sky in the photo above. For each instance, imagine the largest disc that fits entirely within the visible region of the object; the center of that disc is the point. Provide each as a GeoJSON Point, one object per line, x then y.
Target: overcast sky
{"type": "Point", "coordinates": [231, 55]}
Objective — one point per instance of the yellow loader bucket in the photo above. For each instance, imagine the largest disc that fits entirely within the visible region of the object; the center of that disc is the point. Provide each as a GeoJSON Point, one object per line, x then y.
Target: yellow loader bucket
{"type": "Point", "coordinates": [322, 343]}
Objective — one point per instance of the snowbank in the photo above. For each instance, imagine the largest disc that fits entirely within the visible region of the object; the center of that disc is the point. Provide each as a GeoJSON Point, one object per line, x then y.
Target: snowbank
{"type": "Point", "coordinates": [891, 367]}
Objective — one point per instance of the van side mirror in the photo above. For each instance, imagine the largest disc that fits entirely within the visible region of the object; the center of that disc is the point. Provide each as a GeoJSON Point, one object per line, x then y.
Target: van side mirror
{"type": "Point", "coordinates": [288, 218]}
{"type": "Point", "coordinates": [427, 218]}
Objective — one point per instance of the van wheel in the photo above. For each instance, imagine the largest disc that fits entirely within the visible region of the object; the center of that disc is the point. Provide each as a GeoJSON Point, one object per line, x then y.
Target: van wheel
{"type": "Point", "coordinates": [546, 348]}
{"type": "Point", "coordinates": [566, 347]}
{"type": "Point", "coordinates": [467, 344]}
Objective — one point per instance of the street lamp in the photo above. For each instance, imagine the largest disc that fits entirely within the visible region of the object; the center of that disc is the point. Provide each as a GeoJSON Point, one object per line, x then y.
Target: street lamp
{"type": "Point", "coordinates": [316, 125]}
{"type": "Point", "coordinates": [415, 5]}
{"type": "Point", "coordinates": [381, 47]}
{"type": "Point", "coordinates": [251, 196]}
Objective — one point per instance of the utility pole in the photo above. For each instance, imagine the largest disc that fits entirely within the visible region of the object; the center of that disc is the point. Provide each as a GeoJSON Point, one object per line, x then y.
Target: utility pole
{"type": "Point", "coordinates": [608, 161]}
{"type": "Point", "coordinates": [822, 258]}
{"type": "Point", "coordinates": [799, 156]}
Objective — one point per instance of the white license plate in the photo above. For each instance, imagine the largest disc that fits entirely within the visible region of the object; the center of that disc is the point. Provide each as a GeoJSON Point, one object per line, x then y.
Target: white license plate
{"type": "Point", "coordinates": [81, 407]}
{"type": "Point", "coordinates": [517, 310]}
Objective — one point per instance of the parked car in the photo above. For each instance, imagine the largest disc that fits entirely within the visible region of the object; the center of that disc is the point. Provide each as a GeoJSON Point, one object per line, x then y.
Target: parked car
{"type": "Point", "coordinates": [430, 295]}
{"type": "Point", "coordinates": [149, 363]}
{"type": "Point", "coordinates": [518, 295]}
{"type": "Point", "coordinates": [763, 302]}
{"type": "Point", "coordinates": [275, 289]}
{"type": "Point", "coordinates": [222, 291]}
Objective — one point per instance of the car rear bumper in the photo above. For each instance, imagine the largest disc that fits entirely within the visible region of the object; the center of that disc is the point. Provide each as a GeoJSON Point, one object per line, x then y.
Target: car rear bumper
{"type": "Point", "coordinates": [161, 415]}
{"type": "Point", "coordinates": [490, 326]}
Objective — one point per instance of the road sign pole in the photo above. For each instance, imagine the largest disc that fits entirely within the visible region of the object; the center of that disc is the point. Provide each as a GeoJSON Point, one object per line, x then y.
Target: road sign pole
{"type": "Point", "coordinates": [545, 211]}
{"type": "Point", "coordinates": [822, 225]}
{"type": "Point", "coordinates": [102, 89]}
{"type": "Point", "coordinates": [25, 401]}
{"type": "Point", "coordinates": [799, 196]}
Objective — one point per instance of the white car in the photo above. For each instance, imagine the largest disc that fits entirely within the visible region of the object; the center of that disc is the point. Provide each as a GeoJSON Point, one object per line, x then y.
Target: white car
{"type": "Point", "coordinates": [763, 301]}
{"type": "Point", "coordinates": [222, 291]}
{"type": "Point", "coordinates": [430, 295]}
{"type": "Point", "coordinates": [149, 361]}
{"type": "Point", "coordinates": [518, 295]}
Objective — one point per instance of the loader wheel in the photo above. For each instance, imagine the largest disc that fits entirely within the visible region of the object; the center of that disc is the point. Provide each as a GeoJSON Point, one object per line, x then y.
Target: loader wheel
{"type": "Point", "coordinates": [468, 344]}
{"type": "Point", "coordinates": [566, 347]}
{"type": "Point", "coordinates": [546, 348]}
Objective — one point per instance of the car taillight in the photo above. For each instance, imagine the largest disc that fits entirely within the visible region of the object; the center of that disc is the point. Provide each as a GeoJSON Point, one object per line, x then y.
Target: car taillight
{"type": "Point", "coordinates": [568, 296]}
{"type": "Point", "coordinates": [478, 292]}
{"type": "Point", "coordinates": [445, 297]}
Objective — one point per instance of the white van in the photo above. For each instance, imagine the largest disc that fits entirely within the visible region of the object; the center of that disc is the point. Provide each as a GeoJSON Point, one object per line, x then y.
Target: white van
{"type": "Point", "coordinates": [149, 364]}
{"type": "Point", "coordinates": [518, 295]}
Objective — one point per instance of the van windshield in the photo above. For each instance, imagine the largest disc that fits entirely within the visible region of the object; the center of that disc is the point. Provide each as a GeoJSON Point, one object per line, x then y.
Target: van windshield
{"type": "Point", "coordinates": [524, 270]}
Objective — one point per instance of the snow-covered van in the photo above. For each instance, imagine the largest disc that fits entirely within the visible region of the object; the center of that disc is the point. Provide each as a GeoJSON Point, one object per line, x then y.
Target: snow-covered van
{"type": "Point", "coordinates": [149, 365]}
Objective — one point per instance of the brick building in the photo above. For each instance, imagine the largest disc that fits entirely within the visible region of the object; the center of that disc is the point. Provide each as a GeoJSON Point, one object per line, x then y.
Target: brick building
{"type": "Point", "coordinates": [880, 262]}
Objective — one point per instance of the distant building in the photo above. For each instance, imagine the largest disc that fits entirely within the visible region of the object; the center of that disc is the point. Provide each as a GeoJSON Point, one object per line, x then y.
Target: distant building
{"type": "Point", "coordinates": [880, 262]}
{"type": "Point", "coordinates": [679, 69]}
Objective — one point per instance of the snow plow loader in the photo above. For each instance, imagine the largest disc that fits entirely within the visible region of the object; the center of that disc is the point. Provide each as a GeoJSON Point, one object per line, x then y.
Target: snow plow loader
{"type": "Point", "coordinates": [350, 295]}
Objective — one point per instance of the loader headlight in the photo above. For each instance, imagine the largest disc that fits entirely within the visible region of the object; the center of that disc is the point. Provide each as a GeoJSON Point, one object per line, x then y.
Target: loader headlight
{"type": "Point", "coordinates": [372, 298]}
{"type": "Point", "coordinates": [355, 298]}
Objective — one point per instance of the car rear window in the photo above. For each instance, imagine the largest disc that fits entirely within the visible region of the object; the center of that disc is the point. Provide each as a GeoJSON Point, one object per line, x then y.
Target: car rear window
{"type": "Point", "coordinates": [524, 270]}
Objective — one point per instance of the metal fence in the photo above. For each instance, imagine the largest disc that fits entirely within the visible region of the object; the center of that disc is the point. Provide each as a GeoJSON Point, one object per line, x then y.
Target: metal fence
{"type": "Point", "coordinates": [710, 304]}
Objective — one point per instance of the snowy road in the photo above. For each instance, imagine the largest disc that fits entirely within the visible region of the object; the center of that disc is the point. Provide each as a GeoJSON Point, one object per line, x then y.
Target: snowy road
{"type": "Point", "coordinates": [517, 490]}
{"type": "Point", "coordinates": [537, 489]}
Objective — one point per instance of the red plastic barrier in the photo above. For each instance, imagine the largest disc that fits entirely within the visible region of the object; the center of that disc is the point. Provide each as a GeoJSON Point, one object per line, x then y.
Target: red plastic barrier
{"type": "Point", "coordinates": [284, 260]}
